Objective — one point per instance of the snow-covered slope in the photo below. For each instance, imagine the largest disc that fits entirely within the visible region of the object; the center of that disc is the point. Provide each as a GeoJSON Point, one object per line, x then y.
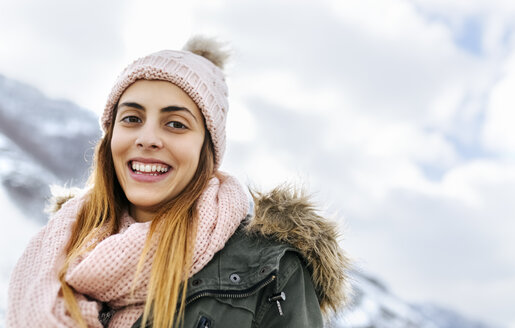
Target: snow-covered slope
{"type": "Point", "coordinates": [44, 141]}
{"type": "Point", "coordinates": [25, 180]}
{"type": "Point", "coordinates": [374, 306]}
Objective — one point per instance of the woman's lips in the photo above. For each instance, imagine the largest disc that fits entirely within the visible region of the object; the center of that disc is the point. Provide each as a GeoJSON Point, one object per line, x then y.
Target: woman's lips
{"type": "Point", "coordinates": [148, 172]}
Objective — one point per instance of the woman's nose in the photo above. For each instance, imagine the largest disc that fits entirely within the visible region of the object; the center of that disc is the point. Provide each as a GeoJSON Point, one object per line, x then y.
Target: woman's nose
{"type": "Point", "coordinates": [149, 138]}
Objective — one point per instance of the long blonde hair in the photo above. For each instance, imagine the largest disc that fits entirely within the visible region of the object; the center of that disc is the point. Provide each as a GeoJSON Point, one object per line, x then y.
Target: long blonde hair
{"type": "Point", "coordinates": [175, 224]}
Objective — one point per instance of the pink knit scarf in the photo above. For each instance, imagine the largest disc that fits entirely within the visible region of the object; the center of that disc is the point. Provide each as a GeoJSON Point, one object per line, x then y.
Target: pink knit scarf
{"type": "Point", "coordinates": [105, 274]}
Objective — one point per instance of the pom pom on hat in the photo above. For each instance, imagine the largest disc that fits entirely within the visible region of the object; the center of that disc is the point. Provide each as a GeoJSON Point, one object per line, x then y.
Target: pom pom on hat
{"type": "Point", "coordinates": [209, 48]}
{"type": "Point", "coordinates": [197, 70]}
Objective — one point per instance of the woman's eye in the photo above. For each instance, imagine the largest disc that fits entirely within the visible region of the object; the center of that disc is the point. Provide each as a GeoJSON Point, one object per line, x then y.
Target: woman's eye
{"type": "Point", "coordinates": [176, 125]}
{"type": "Point", "coordinates": [131, 119]}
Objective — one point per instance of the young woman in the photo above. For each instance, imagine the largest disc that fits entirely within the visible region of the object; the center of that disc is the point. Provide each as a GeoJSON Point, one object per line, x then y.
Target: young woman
{"type": "Point", "coordinates": [162, 238]}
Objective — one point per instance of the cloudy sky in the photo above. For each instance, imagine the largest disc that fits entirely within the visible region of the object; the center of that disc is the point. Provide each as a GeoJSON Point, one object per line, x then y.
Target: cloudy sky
{"type": "Point", "coordinates": [396, 114]}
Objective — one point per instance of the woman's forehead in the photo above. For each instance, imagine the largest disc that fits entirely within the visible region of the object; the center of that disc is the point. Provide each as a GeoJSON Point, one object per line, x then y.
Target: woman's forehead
{"type": "Point", "coordinates": [162, 95]}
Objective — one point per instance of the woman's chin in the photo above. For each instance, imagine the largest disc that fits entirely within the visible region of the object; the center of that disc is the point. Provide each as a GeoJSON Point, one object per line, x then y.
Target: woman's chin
{"type": "Point", "coordinates": [148, 198]}
{"type": "Point", "coordinates": [145, 205]}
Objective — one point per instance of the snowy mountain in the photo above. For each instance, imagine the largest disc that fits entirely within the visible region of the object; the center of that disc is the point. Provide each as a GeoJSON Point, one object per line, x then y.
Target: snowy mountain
{"type": "Point", "coordinates": [42, 141]}
{"type": "Point", "coordinates": [374, 306]}
{"type": "Point", "coordinates": [45, 141]}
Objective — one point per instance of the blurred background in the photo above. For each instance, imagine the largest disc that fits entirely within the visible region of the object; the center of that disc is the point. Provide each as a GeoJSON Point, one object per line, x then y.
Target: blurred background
{"type": "Point", "coordinates": [396, 114]}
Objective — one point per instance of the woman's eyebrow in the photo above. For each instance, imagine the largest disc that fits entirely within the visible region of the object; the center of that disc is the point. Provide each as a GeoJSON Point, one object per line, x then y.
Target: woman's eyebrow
{"type": "Point", "coordinates": [167, 109]}
{"type": "Point", "coordinates": [177, 109]}
{"type": "Point", "coordinates": [131, 104]}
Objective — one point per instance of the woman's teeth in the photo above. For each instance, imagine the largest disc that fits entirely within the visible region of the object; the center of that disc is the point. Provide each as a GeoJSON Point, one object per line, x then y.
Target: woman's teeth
{"type": "Point", "coordinates": [149, 168]}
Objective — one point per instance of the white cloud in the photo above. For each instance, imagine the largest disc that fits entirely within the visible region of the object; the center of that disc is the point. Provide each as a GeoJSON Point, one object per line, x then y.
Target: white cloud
{"type": "Point", "coordinates": [429, 243]}
{"type": "Point", "coordinates": [499, 132]}
{"type": "Point", "coordinates": [153, 25]}
{"type": "Point", "coordinates": [469, 181]}
{"type": "Point", "coordinates": [241, 126]}
{"type": "Point", "coordinates": [284, 89]}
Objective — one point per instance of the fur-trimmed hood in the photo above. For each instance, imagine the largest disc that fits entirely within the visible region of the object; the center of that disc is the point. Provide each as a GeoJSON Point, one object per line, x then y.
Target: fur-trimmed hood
{"type": "Point", "coordinates": [59, 196]}
{"type": "Point", "coordinates": [288, 215]}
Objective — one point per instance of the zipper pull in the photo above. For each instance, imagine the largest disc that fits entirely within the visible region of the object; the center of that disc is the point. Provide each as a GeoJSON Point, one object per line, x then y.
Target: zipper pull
{"type": "Point", "coordinates": [204, 323]}
{"type": "Point", "coordinates": [277, 298]}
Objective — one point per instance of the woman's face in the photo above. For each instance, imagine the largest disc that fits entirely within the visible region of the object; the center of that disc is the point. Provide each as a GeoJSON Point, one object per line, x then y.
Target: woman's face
{"type": "Point", "coordinates": [157, 139]}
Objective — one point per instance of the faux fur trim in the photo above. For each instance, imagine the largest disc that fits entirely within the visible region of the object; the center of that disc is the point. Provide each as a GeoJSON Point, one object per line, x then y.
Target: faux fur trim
{"type": "Point", "coordinates": [209, 48]}
{"type": "Point", "coordinates": [287, 215]}
{"type": "Point", "coordinates": [59, 196]}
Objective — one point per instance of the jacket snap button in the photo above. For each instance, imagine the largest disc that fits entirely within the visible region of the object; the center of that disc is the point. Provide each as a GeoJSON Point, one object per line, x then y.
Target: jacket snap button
{"type": "Point", "coordinates": [235, 278]}
{"type": "Point", "coordinates": [196, 282]}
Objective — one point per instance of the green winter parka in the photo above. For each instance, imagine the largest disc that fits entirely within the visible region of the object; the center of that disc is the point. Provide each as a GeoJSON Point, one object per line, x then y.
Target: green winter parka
{"type": "Point", "coordinates": [283, 267]}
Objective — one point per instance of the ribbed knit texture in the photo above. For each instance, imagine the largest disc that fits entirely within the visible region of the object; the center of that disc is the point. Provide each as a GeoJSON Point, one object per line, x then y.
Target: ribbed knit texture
{"type": "Point", "coordinates": [105, 274]}
{"type": "Point", "coordinates": [198, 77]}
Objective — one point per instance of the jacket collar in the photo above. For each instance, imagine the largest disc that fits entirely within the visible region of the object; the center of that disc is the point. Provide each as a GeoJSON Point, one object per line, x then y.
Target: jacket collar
{"type": "Point", "coordinates": [245, 263]}
{"type": "Point", "coordinates": [283, 220]}
{"type": "Point", "coordinates": [287, 215]}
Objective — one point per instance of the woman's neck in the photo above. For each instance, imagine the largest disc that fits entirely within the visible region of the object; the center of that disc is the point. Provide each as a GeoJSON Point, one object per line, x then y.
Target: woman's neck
{"type": "Point", "coordinates": [140, 214]}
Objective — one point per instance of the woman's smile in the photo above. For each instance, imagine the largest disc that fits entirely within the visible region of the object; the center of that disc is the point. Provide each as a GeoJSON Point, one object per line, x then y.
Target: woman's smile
{"type": "Point", "coordinates": [157, 139]}
{"type": "Point", "coordinates": [142, 168]}
{"type": "Point", "coordinates": [148, 170]}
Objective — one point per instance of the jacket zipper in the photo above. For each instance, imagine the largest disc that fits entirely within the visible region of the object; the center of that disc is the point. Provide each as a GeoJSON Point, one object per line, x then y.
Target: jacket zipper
{"type": "Point", "coordinates": [225, 294]}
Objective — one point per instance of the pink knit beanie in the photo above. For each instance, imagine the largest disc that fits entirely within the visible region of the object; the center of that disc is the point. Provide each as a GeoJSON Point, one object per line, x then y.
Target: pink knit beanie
{"type": "Point", "coordinates": [197, 70]}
